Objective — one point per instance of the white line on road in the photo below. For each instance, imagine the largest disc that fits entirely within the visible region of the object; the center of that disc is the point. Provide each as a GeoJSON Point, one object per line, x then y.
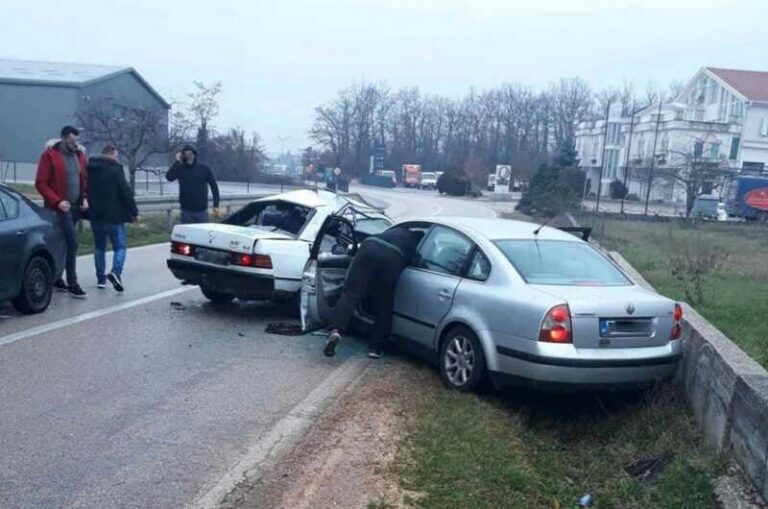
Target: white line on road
{"type": "Point", "coordinates": [42, 329]}
{"type": "Point", "coordinates": [290, 427]}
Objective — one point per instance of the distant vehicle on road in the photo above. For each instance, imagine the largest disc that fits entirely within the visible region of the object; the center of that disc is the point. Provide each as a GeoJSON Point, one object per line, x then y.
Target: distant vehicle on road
{"type": "Point", "coordinates": [381, 179]}
{"type": "Point", "coordinates": [492, 297]}
{"type": "Point", "coordinates": [259, 252]}
{"type": "Point", "coordinates": [428, 180]}
{"type": "Point", "coordinates": [411, 175]}
{"type": "Point", "coordinates": [709, 207]}
{"type": "Point", "coordinates": [457, 184]}
{"type": "Point", "coordinates": [32, 251]}
{"type": "Point", "coordinates": [747, 197]}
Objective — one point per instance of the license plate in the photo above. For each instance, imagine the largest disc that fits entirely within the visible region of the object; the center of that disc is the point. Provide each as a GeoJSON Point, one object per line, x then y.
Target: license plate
{"type": "Point", "coordinates": [626, 327]}
{"type": "Point", "coordinates": [212, 256]}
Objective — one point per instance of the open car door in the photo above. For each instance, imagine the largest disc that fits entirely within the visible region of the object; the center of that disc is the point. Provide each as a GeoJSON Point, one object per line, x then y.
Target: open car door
{"type": "Point", "coordinates": [324, 274]}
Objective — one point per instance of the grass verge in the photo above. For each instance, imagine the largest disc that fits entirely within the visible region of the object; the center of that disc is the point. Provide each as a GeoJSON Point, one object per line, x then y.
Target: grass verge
{"type": "Point", "coordinates": [528, 450]}
{"type": "Point", "coordinates": [151, 229]}
{"type": "Point", "coordinates": [735, 293]}
{"type": "Point", "coordinates": [27, 190]}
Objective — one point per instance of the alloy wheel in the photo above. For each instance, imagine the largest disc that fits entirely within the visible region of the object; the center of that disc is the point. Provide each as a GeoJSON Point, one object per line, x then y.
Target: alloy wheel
{"type": "Point", "coordinates": [459, 360]}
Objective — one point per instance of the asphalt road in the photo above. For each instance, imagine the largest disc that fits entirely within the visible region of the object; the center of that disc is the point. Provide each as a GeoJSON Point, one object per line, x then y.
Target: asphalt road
{"type": "Point", "coordinates": [130, 401]}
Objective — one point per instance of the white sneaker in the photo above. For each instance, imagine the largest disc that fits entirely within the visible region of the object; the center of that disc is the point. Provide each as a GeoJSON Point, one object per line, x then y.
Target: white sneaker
{"type": "Point", "coordinates": [101, 286]}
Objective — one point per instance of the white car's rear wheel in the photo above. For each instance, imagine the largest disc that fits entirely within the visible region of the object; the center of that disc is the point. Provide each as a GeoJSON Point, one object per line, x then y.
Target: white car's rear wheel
{"type": "Point", "coordinates": [216, 297]}
{"type": "Point", "coordinates": [462, 361]}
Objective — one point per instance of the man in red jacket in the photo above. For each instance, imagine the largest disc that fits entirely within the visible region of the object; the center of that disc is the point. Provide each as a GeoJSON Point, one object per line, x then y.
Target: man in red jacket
{"type": "Point", "coordinates": [62, 181]}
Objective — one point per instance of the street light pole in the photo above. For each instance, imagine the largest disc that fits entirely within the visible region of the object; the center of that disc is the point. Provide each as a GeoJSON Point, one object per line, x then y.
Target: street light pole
{"type": "Point", "coordinates": [629, 149]}
{"type": "Point", "coordinates": [653, 161]}
{"type": "Point", "coordinates": [602, 159]}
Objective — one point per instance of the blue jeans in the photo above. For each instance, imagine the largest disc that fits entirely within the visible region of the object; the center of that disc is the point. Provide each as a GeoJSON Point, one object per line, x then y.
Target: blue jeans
{"type": "Point", "coordinates": [117, 237]}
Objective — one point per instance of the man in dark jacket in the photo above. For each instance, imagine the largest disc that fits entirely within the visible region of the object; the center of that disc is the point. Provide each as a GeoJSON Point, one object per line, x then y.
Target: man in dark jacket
{"type": "Point", "coordinates": [62, 182]}
{"type": "Point", "coordinates": [373, 275]}
{"type": "Point", "coordinates": [112, 205]}
{"type": "Point", "coordinates": [194, 179]}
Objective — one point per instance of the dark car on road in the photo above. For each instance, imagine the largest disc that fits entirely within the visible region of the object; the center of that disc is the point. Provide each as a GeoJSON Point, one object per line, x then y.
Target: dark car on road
{"type": "Point", "coordinates": [32, 252]}
{"type": "Point", "coordinates": [457, 184]}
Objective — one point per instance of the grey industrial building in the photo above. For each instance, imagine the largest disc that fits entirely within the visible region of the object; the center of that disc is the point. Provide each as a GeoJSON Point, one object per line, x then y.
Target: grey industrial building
{"type": "Point", "coordinates": [38, 98]}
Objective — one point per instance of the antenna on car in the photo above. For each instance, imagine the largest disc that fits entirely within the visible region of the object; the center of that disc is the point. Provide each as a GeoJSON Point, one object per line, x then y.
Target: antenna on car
{"type": "Point", "coordinates": [542, 225]}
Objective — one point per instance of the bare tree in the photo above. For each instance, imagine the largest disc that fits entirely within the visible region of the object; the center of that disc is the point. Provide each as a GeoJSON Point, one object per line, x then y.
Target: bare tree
{"type": "Point", "coordinates": [138, 131]}
{"type": "Point", "coordinates": [204, 107]}
{"type": "Point", "coordinates": [693, 170]}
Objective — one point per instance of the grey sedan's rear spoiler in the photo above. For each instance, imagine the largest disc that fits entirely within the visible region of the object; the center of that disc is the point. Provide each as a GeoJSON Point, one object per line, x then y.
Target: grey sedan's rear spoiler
{"type": "Point", "coordinates": [582, 231]}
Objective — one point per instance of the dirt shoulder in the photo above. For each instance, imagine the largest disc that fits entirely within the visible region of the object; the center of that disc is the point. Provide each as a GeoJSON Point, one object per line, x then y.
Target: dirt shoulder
{"type": "Point", "coordinates": [342, 462]}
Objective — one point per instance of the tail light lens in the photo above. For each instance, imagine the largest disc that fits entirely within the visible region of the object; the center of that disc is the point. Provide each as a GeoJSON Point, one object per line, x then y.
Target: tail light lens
{"type": "Point", "coordinates": [180, 248]}
{"type": "Point", "coordinates": [247, 260]}
{"type": "Point", "coordinates": [556, 327]}
{"type": "Point", "coordinates": [677, 329]}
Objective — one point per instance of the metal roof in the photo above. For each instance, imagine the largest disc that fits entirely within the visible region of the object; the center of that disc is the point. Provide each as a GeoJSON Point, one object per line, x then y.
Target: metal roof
{"type": "Point", "coordinates": [65, 74]}
{"type": "Point", "coordinates": [54, 72]}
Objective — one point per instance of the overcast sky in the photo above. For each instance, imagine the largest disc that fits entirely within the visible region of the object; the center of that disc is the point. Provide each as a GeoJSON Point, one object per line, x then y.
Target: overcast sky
{"type": "Point", "coordinates": [277, 60]}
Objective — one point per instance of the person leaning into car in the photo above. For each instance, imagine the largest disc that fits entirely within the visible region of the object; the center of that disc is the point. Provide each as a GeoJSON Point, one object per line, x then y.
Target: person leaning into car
{"type": "Point", "coordinates": [112, 205]}
{"type": "Point", "coordinates": [62, 182]}
{"type": "Point", "coordinates": [373, 275]}
{"type": "Point", "coordinates": [194, 178]}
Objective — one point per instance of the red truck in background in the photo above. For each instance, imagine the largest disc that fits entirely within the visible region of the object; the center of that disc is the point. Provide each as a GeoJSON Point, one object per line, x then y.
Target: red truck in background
{"type": "Point", "coordinates": [411, 176]}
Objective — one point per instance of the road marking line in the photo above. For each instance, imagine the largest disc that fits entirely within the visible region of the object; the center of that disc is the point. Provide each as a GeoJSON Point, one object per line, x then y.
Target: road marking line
{"type": "Point", "coordinates": [282, 434]}
{"type": "Point", "coordinates": [42, 329]}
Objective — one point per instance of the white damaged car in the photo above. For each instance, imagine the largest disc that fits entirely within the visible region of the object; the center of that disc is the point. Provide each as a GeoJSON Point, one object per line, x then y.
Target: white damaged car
{"type": "Point", "coordinates": [259, 252]}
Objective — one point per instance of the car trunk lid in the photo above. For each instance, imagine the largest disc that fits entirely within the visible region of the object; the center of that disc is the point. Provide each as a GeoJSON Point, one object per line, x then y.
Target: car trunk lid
{"type": "Point", "coordinates": [616, 316]}
{"type": "Point", "coordinates": [224, 237]}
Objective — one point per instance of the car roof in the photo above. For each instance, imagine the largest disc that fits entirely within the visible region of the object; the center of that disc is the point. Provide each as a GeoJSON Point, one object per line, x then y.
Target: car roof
{"type": "Point", "coordinates": [503, 229]}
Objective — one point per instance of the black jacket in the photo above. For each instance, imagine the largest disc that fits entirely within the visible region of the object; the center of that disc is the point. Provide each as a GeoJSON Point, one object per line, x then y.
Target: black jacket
{"type": "Point", "coordinates": [194, 180]}
{"type": "Point", "coordinates": [402, 238]}
{"type": "Point", "coordinates": [109, 196]}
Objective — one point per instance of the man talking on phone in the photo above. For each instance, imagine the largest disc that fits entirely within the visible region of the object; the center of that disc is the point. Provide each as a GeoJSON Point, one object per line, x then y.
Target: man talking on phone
{"type": "Point", "coordinates": [194, 179]}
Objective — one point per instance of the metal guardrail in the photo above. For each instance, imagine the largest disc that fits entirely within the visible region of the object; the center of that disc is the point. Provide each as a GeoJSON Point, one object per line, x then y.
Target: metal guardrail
{"type": "Point", "coordinates": [169, 204]}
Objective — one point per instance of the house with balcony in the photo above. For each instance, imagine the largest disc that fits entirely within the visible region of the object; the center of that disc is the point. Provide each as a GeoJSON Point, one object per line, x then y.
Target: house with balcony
{"type": "Point", "coordinates": [720, 119]}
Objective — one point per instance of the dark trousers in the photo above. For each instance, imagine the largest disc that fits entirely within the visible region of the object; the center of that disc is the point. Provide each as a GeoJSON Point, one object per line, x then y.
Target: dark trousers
{"type": "Point", "coordinates": [189, 217]}
{"type": "Point", "coordinates": [68, 224]}
{"type": "Point", "coordinates": [372, 277]}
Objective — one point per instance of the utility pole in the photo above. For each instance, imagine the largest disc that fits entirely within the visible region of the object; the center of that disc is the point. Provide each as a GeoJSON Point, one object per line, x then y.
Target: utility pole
{"type": "Point", "coordinates": [653, 160]}
{"type": "Point", "coordinates": [602, 159]}
{"type": "Point", "coordinates": [629, 149]}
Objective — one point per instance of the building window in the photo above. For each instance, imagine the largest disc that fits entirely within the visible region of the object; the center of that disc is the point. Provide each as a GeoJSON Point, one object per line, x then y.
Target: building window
{"type": "Point", "coordinates": [698, 149]}
{"type": "Point", "coordinates": [714, 150]}
{"type": "Point", "coordinates": [735, 148]}
{"type": "Point", "coordinates": [764, 128]}
{"type": "Point", "coordinates": [614, 132]}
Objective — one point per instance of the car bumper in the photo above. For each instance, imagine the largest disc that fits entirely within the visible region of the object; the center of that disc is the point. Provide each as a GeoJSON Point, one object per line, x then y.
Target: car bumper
{"type": "Point", "coordinates": [221, 279]}
{"type": "Point", "coordinates": [571, 373]}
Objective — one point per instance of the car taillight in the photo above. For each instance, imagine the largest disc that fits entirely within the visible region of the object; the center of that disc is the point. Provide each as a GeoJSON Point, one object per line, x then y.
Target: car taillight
{"type": "Point", "coordinates": [183, 249]}
{"type": "Point", "coordinates": [556, 327]}
{"type": "Point", "coordinates": [677, 329]}
{"type": "Point", "coordinates": [257, 260]}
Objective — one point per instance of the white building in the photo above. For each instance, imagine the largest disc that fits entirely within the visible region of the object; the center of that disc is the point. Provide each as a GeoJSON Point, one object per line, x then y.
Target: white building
{"type": "Point", "coordinates": [720, 118]}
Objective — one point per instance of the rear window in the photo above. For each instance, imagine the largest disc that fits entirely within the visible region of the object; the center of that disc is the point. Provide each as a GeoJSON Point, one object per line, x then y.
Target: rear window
{"type": "Point", "coordinates": [560, 262]}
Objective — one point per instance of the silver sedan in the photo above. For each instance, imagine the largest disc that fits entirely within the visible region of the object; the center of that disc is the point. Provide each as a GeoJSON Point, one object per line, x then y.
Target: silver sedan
{"type": "Point", "coordinates": [513, 302]}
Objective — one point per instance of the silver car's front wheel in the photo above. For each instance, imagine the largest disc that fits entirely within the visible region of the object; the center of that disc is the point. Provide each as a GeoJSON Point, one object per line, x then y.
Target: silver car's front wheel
{"type": "Point", "coordinates": [462, 363]}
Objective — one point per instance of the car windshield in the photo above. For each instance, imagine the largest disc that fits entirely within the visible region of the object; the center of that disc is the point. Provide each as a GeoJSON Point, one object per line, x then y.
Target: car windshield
{"type": "Point", "coordinates": [561, 262]}
{"type": "Point", "coordinates": [367, 226]}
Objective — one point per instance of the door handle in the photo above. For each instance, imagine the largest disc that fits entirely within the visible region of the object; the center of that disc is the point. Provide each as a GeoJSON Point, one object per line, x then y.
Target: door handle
{"type": "Point", "coordinates": [445, 294]}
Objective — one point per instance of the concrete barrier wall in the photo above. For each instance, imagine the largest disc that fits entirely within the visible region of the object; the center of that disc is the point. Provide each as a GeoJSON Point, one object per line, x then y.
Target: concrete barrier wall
{"type": "Point", "coordinates": [726, 389]}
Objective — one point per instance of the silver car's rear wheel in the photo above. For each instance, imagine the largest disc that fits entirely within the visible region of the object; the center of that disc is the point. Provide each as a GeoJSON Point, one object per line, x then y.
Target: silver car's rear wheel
{"type": "Point", "coordinates": [462, 362]}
